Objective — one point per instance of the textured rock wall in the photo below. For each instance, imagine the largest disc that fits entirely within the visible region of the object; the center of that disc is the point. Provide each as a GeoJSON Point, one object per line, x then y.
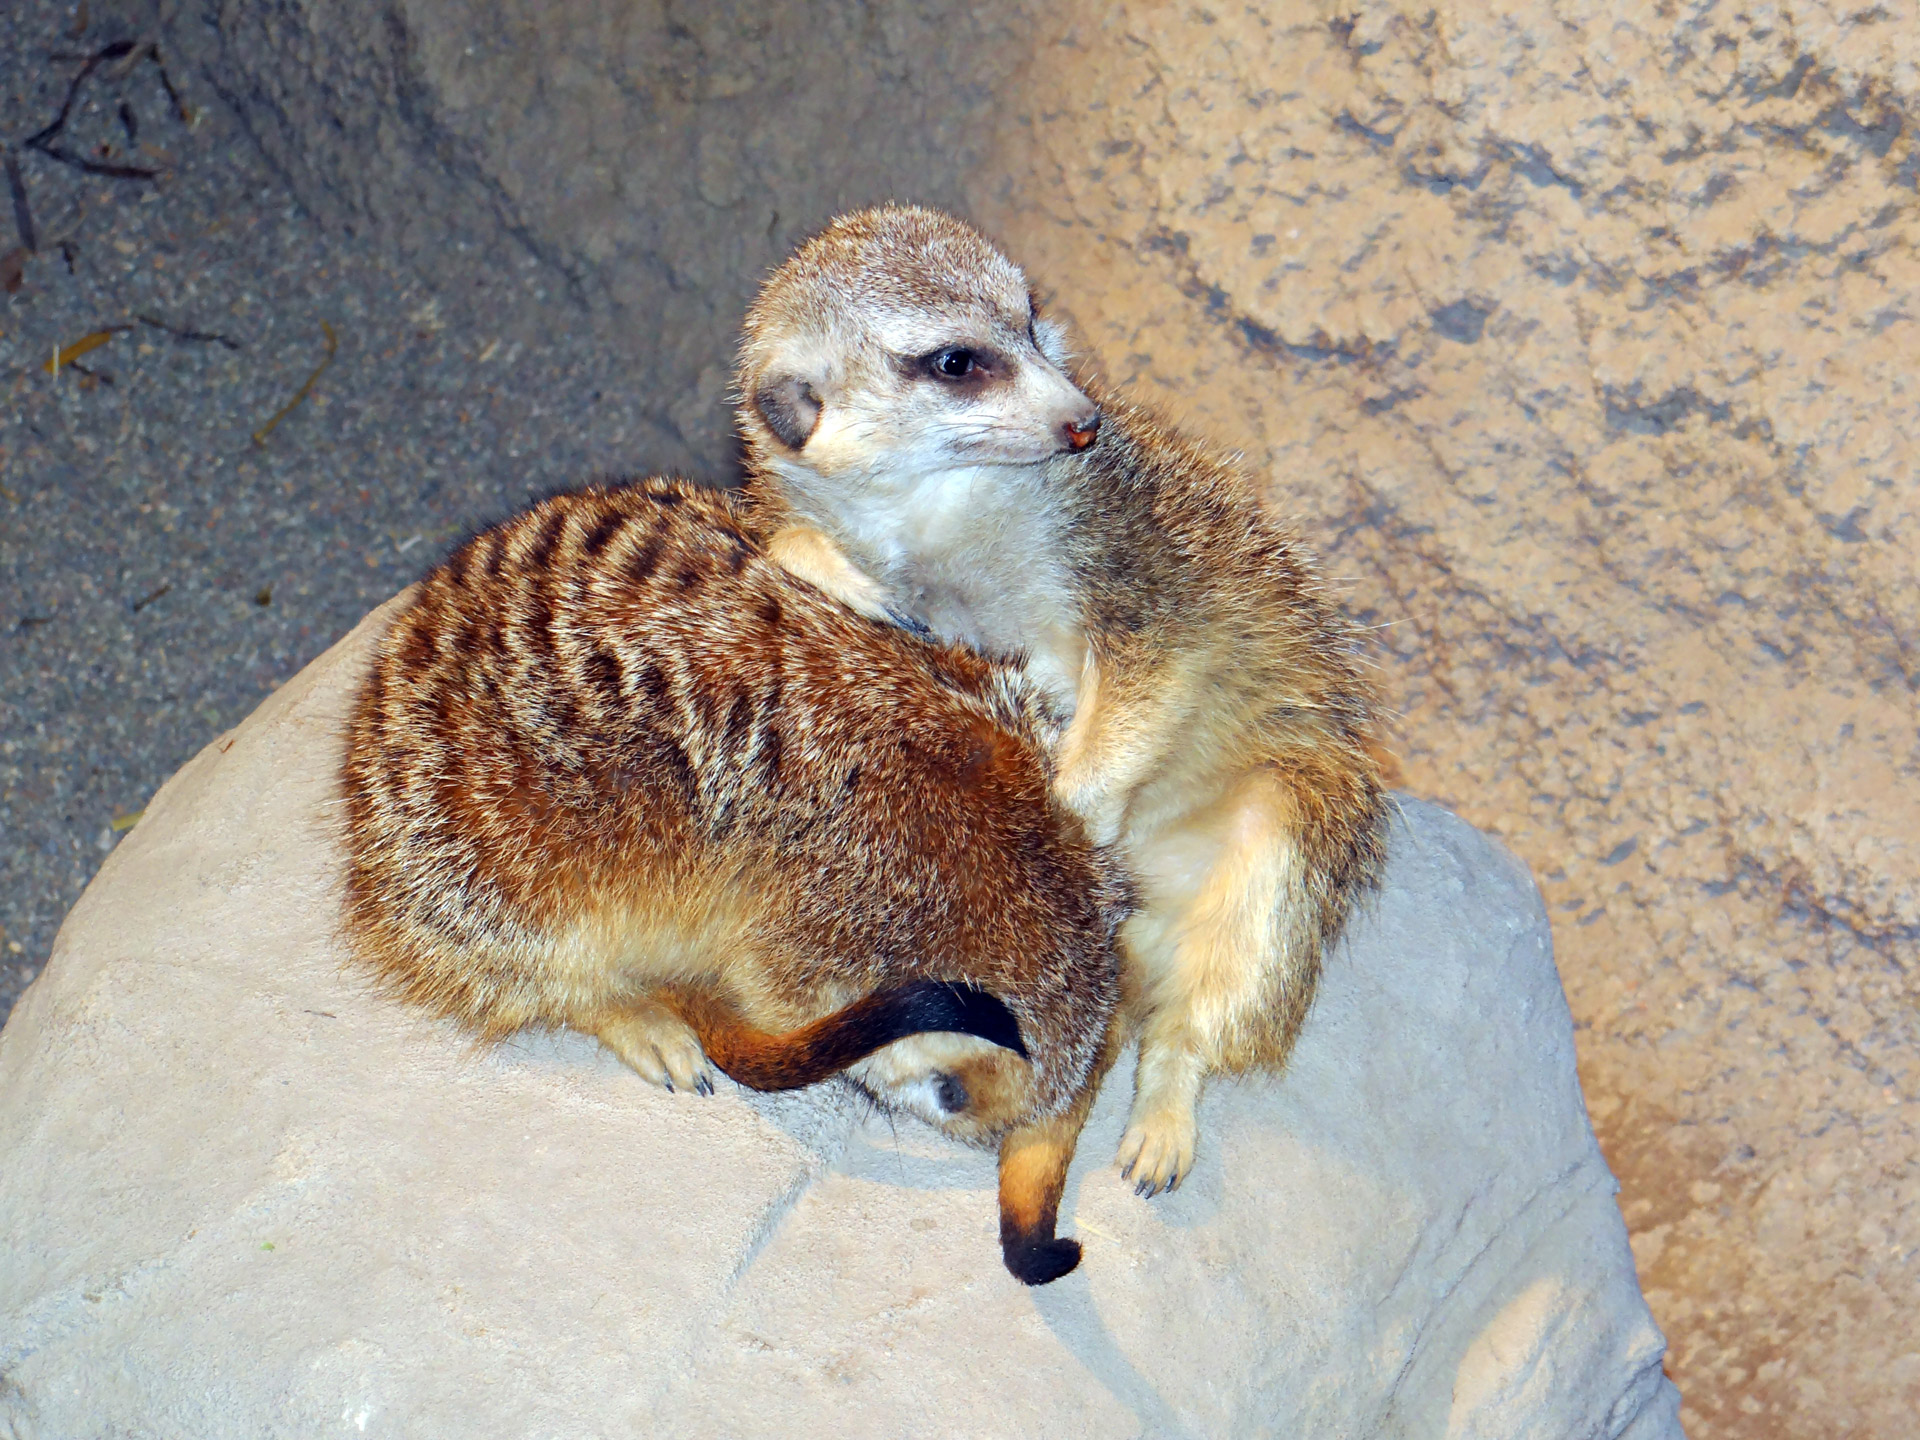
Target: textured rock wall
{"type": "Point", "coordinates": [1580, 334]}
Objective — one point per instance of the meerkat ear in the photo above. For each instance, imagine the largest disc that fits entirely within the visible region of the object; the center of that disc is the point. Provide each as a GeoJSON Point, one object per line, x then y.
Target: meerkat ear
{"type": "Point", "coordinates": [791, 408]}
{"type": "Point", "coordinates": [1050, 338]}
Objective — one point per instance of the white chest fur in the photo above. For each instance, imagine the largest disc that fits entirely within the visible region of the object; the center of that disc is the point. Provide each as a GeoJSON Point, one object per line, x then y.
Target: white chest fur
{"type": "Point", "coordinates": [974, 553]}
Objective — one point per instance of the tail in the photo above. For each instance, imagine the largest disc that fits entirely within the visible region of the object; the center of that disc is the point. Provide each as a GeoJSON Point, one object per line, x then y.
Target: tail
{"type": "Point", "coordinates": [762, 1061]}
{"type": "Point", "coordinates": [1033, 1177]}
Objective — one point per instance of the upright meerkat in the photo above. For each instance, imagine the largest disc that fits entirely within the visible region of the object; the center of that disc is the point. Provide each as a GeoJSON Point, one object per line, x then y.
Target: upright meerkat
{"type": "Point", "coordinates": [615, 770]}
{"type": "Point", "coordinates": [916, 446]}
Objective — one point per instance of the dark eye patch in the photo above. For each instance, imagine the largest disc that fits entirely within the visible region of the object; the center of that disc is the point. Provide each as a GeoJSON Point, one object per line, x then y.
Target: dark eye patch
{"type": "Point", "coordinates": [960, 366]}
{"type": "Point", "coordinates": [956, 364]}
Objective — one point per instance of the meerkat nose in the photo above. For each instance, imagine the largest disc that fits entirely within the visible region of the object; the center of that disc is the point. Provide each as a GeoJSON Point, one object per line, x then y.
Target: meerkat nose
{"type": "Point", "coordinates": [1079, 432]}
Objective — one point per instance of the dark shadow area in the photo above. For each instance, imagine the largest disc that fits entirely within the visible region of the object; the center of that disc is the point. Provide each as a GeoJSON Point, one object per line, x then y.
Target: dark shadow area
{"type": "Point", "coordinates": [160, 569]}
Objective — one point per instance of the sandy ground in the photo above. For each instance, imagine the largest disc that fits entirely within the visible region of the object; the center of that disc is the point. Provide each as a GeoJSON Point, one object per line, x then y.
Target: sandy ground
{"type": "Point", "coordinates": [160, 570]}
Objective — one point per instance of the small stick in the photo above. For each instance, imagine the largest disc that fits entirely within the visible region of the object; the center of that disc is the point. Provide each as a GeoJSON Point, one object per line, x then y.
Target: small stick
{"type": "Point", "coordinates": [22, 212]}
{"type": "Point", "coordinates": [202, 336]}
{"type": "Point", "coordinates": [333, 345]}
{"type": "Point", "coordinates": [148, 599]}
{"type": "Point", "coordinates": [86, 344]}
{"type": "Point", "coordinates": [43, 140]}
{"type": "Point", "coordinates": [166, 83]}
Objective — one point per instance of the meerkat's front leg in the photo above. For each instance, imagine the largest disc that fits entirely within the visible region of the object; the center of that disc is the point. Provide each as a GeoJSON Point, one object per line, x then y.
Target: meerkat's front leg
{"type": "Point", "coordinates": [658, 1043]}
{"type": "Point", "coordinates": [810, 555]}
{"type": "Point", "coordinates": [1117, 735]}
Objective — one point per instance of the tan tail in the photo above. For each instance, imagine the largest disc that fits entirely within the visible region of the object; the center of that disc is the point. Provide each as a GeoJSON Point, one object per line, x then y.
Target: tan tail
{"type": "Point", "coordinates": [763, 1061]}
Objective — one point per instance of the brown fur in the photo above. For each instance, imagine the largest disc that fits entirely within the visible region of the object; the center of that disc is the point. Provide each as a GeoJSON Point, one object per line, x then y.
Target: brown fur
{"type": "Point", "coordinates": [1222, 731]}
{"type": "Point", "coordinates": [615, 770]}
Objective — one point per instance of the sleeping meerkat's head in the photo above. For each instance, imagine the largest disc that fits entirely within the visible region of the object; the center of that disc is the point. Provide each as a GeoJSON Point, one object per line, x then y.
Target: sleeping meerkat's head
{"type": "Point", "coordinates": [897, 345]}
{"type": "Point", "coordinates": [963, 1086]}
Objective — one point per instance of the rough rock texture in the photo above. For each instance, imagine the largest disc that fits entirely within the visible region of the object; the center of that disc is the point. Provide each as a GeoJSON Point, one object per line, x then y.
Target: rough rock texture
{"type": "Point", "coordinates": [1581, 334]}
{"type": "Point", "coordinates": [244, 1197]}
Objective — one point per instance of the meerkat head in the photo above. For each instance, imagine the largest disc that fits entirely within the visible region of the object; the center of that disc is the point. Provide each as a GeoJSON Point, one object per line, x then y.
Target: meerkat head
{"type": "Point", "coordinates": [899, 344]}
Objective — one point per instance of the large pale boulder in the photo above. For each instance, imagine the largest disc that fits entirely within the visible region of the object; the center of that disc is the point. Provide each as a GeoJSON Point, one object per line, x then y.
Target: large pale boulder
{"type": "Point", "coordinates": [1580, 332]}
{"type": "Point", "coordinates": [244, 1196]}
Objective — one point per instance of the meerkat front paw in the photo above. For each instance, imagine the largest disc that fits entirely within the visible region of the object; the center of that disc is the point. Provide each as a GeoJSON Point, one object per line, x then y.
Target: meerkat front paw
{"type": "Point", "coordinates": [1156, 1153]}
{"type": "Point", "coordinates": [1100, 810]}
{"type": "Point", "coordinates": [661, 1047]}
{"type": "Point", "coordinates": [806, 553]}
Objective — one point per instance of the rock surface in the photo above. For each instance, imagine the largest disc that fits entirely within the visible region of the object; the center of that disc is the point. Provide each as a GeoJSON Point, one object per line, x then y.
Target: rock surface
{"type": "Point", "coordinates": [1580, 334]}
{"type": "Point", "coordinates": [243, 1196]}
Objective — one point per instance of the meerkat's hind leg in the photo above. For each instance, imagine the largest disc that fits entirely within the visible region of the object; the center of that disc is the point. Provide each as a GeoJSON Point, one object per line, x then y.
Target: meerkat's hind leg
{"type": "Point", "coordinates": [1243, 961]}
{"type": "Point", "coordinates": [1156, 1153]}
{"type": "Point", "coordinates": [657, 1043]}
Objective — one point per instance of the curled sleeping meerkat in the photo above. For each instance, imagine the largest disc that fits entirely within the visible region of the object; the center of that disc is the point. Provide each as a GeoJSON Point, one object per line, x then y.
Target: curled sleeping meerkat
{"type": "Point", "coordinates": [916, 446]}
{"type": "Point", "coordinates": [615, 770]}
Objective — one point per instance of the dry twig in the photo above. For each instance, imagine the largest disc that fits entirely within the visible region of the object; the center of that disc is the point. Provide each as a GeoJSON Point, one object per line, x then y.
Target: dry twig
{"type": "Point", "coordinates": [65, 355]}
{"type": "Point", "coordinates": [333, 346]}
{"type": "Point", "coordinates": [46, 140]}
{"type": "Point", "coordinates": [207, 337]}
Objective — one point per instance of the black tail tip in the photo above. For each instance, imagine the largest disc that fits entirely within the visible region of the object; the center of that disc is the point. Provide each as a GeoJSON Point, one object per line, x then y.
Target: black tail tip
{"type": "Point", "coordinates": [1041, 1262]}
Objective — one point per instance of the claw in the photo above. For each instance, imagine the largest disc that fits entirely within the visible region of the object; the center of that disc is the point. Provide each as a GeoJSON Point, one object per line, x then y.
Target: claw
{"type": "Point", "coordinates": [911, 623]}
{"type": "Point", "coordinates": [669, 1084]}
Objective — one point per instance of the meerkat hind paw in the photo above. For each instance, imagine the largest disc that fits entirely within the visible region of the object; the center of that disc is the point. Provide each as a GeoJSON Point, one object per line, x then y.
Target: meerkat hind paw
{"type": "Point", "coordinates": [664, 1050]}
{"type": "Point", "coordinates": [1156, 1153]}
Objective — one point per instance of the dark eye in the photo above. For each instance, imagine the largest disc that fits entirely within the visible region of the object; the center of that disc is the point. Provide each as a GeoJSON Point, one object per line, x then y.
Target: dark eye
{"type": "Point", "coordinates": [951, 1094]}
{"type": "Point", "coordinates": [955, 364]}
